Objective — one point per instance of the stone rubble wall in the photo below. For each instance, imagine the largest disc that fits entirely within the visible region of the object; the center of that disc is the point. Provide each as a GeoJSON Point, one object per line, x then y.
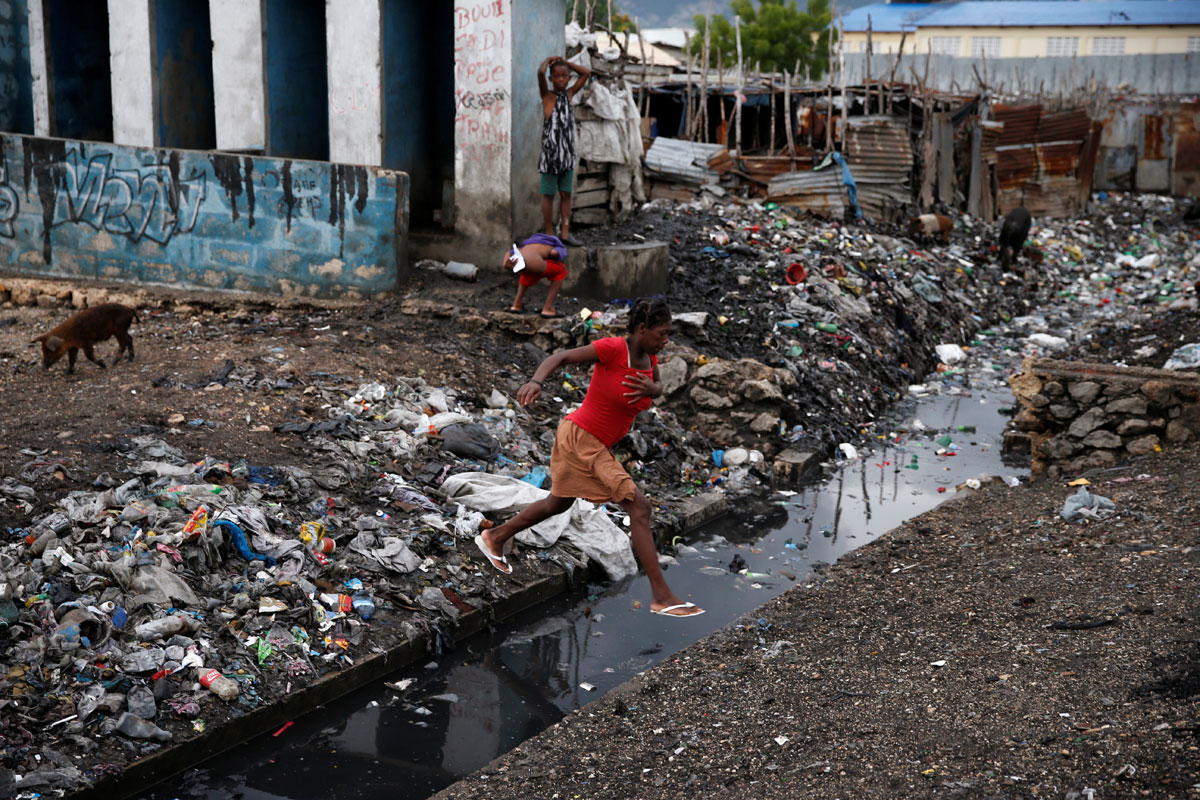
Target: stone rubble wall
{"type": "Point", "coordinates": [1081, 416]}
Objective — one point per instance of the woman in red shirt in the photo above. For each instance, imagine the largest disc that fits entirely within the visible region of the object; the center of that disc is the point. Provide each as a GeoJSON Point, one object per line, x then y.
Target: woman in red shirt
{"type": "Point", "coordinates": [624, 382]}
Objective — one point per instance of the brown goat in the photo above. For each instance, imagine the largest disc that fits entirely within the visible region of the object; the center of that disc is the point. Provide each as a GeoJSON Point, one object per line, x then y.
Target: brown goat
{"type": "Point", "coordinates": [84, 329]}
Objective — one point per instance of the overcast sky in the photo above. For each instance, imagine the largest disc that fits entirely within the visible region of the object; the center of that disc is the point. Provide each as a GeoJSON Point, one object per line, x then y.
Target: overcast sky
{"type": "Point", "coordinates": [679, 13]}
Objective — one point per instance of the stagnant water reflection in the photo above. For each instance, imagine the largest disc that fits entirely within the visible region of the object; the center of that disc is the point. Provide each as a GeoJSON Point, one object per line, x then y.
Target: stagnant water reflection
{"type": "Point", "coordinates": [499, 689]}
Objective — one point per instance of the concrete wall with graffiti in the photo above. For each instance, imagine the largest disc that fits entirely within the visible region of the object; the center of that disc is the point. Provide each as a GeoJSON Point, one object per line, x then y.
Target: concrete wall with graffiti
{"type": "Point", "coordinates": [200, 220]}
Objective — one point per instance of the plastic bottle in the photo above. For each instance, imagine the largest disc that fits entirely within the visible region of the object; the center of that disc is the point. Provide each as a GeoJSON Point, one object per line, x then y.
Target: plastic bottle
{"type": "Point", "coordinates": [363, 605]}
{"type": "Point", "coordinates": [140, 702]}
{"type": "Point", "coordinates": [164, 628]}
{"type": "Point", "coordinates": [827, 327]}
{"type": "Point", "coordinates": [213, 680]}
{"type": "Point", "coordinates": [967, 428]}
{"type": "Point", "coordinates": [137, 728]}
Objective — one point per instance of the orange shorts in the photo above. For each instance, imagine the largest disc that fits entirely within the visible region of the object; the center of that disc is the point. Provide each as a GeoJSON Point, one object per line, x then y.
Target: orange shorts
{"type": "Point", "coordinates": [581, 466]}
{"type": "Point", "coordinates": [555, 271]}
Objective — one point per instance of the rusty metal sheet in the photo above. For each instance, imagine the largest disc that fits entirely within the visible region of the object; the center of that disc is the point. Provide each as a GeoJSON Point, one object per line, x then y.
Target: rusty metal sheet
{"type": "Point", "coordinates": [1185, 177]}
{"type": "Point", "coordinates": [879, 152]}
{"type": "Point", "coordinates": [1020, 124]}
{"type": "Point", "coordinates": [1015, 165]}
{"type": "Point", "coordinates": [817, 191]}
{"type": "Point", "coordinates": [1153, 140]}
{"type": "Point", "coordinates": [1064, 126]}
{"type": "Point", "coordinates": [1059, 159]}
{"type": "Point", "coordinates": [1087, 162]}
{"type": "Point", "coordinates": [1052, 198]}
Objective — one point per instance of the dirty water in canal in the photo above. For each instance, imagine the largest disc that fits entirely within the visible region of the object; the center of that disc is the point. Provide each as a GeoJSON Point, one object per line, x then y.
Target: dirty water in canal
{"type": "Point", "coordinates": [431, 724]}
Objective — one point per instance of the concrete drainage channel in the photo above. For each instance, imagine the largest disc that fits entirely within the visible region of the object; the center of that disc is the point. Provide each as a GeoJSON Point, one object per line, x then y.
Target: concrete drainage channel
{"type": "Point", "coordinates": [427, 724]}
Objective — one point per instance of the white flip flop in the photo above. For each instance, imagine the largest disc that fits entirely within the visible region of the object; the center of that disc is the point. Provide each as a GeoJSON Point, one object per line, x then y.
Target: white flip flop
{"type": "Point", "coordinates": [666, 612]}
{"type": "Point", "coordinates": [499, 562]}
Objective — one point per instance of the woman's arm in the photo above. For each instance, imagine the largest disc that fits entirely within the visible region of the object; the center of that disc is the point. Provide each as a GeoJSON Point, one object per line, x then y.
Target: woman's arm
{"type": "Point", "coordinates": [580, 355]}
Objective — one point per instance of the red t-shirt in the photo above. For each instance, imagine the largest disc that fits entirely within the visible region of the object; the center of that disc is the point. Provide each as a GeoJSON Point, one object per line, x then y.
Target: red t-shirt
{"type": "Point", "coordinates": [606, 413]}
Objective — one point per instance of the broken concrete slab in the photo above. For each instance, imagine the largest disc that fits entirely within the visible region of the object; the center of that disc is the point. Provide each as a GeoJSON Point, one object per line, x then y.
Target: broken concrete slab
{"type": "Point", "coordinates": [624, 270]}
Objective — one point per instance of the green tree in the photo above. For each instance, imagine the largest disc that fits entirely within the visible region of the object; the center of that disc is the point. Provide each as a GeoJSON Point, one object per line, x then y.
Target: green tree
{"type": "Point", "coordinates": [775, 35]}
{"type": "Point", "coordinates": [577, 10]}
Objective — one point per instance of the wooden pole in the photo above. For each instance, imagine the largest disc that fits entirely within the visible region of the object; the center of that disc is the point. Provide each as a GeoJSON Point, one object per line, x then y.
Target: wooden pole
{"type": "Point", "coordinates": [687, 103]}
{"type": "Point", "coordinates": [842, 69]}
{"type": "Point", "coordinates": [771, 148]}
{"type": "Point", "coordinates": [609, 4]}
{"type": "Point", "coordinates": [704, 80]}
{"type": "Point", "coordinates": [870, 52]}
{"type": "Point", "coordinates": [721, 97]}
{"type": "Point", "coordinates": [829, 70]}
{"type": "Point", "coordinates": [787, 116]}
{"type": "Point", "coordinates": [741, 86]}
{"type": "Point", "coordinates": [637, 23]}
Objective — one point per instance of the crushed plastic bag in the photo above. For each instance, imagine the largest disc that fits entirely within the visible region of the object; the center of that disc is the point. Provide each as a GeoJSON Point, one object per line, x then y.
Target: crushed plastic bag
{"type": "Point", "coordinates": [1085, 505]}
{"type": "Point", "coordinates": [1185, 357]}
{"type": "Point", "coordinates": [470, 441]}
{"type": "Point", "coordinates": [950, 354]}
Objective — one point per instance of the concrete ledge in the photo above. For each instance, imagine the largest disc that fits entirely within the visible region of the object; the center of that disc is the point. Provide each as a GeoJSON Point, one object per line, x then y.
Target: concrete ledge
{"type": "Point", "coordinates": [618, 271]}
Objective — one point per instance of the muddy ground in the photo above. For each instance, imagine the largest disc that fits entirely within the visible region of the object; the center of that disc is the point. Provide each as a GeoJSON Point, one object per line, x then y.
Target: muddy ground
{"type": "Point", "coordinates": [986, 649]}
{"type": "Point", "coordinates": [183, 341]}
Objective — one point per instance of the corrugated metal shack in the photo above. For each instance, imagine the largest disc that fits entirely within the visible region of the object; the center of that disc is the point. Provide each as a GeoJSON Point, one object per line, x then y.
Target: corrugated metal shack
{"type": "Point", "coordinates": [1044, 159]}
{"type": "Point", "coordinates": [1150, 146]}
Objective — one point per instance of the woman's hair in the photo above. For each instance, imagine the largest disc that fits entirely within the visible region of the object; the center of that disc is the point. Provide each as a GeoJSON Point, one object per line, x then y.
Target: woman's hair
{"type": "Point", "coordinates": [648, 311]}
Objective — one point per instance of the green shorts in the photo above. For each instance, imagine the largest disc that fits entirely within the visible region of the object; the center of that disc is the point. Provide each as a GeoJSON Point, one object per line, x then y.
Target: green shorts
{"type": "Point", "coordinates": [553, 183]}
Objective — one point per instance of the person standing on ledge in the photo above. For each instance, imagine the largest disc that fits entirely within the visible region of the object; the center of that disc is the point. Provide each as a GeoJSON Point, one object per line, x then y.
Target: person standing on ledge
{"type": "Point", "coordinates": [624, 382]}
{"type": "Point", "coordinates": [557, 161]}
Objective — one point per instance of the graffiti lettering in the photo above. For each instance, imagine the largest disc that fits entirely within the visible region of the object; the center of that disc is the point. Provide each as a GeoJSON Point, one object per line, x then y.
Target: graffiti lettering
{"type": "Point", "coordinates": [464, 16]}
{"type": "Point", "coordinates": [145, 202]}
{"type": "Point", "coordinates": [480, 72]}
{"type": "Point", "coordinates": [10, 205]}
{"type": "Point", "coordinates": [308, 196]}
{"type": "Point", "coordinates": [353, 99]}
{"type": "Point", "coordinates": [493, 99]}
{"type": "Point", "coordinates": [475, 42]}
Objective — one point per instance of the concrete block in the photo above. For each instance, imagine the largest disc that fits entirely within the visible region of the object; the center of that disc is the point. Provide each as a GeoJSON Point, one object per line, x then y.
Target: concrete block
{"type": "Point", "coordinates": [698, 509]}
{"type": "Point", "coordinates": [624, 270]}
{"type": "Point", "coordinates": [792, 464]}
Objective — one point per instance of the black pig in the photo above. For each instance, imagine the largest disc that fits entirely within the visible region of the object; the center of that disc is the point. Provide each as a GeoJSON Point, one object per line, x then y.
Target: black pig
{"type": "Point", "coordinates": [1012, 235]}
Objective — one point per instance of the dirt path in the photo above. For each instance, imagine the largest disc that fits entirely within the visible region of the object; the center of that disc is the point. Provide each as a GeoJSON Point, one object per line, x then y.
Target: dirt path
{"type": "Point", "coordinates": [985, 649]}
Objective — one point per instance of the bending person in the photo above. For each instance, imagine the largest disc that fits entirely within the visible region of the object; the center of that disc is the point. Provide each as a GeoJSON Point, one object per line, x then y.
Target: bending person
{"type": "Point", "coordinates": [624, 382]}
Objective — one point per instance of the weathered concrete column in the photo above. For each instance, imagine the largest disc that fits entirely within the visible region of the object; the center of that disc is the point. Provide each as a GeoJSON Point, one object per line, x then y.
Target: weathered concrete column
{"type": "Point", "coordinates": [239, 90]}
{"type": "Point", "coordinates": [39, 66]}
{"type": "Point", "coordinates": [483, 92]}
{"type": "Point", "coordinates": [354, 38]}
{"type": "Point", "coordinates": [134, 79]}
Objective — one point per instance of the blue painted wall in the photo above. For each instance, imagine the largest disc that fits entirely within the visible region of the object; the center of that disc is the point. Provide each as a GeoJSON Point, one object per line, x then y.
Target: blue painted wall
{"type": "Point", "coordinates": [297, 81]}
{"type": "Point", "coordinates": [80, 73]}
{"type": "Point", "coordinates": [16, 80]}
{"type": "Point", "coordinates": [200, 220]}
{"type": "Point", "coordinates": [183, 58]}
{"type": "Point", "coordinates": [418, 99]}
{"type": "Point", "coordinates": [537, 32]}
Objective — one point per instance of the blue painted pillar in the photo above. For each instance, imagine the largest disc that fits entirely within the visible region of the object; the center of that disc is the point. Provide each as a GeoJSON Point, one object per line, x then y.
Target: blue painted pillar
{"type": "Point", "coordinates": [80, 80]}
{"type": "Point", "coordinates": [16, 79]}
{"type": "Point", "coordinates": [297, 82]}
{"type": "Point", "coordinates": [418, 101]}
{"type": "Point", "coordinates": [182, 51]}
